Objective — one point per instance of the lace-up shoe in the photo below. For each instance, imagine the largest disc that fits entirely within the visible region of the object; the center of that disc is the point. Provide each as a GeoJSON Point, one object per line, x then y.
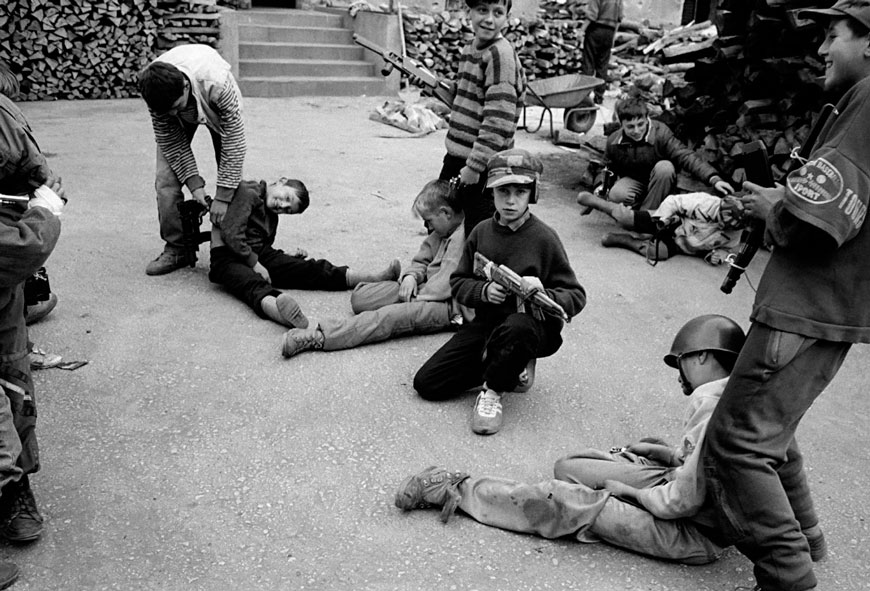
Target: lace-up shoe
{"type": "Point", "coordinates": [21, 521]}
{"type": "Point", "coordinates": [433, 487]}
{"type": "Point", "coordinates": [487, 416]}
{"type": "Point", "coordinates": [297, 340]}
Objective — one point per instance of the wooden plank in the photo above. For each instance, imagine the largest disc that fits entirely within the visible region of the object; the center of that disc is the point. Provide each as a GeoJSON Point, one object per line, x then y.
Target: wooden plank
{"type": "Point", "coordinates": [205, 16]}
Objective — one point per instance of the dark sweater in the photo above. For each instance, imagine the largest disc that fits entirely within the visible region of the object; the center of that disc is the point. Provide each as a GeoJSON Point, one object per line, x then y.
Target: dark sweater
{"type": "Point", "coordinates": [534, 249]}
{"type": "Point", "coordinates": [249, 226]}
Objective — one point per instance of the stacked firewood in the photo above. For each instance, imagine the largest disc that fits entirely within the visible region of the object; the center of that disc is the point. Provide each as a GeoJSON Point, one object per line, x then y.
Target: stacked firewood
{"type": "Point", "coordinates": [187, 21]}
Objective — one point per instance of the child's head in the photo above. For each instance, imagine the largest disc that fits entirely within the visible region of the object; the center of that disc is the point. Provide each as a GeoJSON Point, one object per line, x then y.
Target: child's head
{"type": "Point", "coordinates": [512, 176]}
{"type": "Point", "coordinates": [705, 350]}
{"type": "Point", "coordinates": [488, 18]}
{"type": "Point", "coordinates": [8, 82]}
{"type": "Point", "coordinates": [633, 115]}
{"type": "Point", "coordinates": [846, 47]}
{"type": "Point", "coordinates": [287, 196]}
{"type": "Point", "coordinates": [164, 87]}
{"type": "Point", "coordinates": [437, 207]}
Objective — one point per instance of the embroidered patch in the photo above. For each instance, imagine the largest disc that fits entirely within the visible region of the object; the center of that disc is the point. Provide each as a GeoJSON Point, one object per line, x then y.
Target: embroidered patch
{"type": "Point", "coordinates": [816, 182]}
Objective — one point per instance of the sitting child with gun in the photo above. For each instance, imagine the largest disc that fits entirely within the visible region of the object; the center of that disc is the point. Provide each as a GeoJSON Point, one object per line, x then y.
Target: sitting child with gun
{"type": "Point", "coordinates": [242, 255]}
{"type": "Point", "coordinates": [512, 326]}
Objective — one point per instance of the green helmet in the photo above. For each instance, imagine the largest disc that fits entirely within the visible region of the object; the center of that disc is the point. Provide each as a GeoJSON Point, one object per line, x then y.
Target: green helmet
{"type": "Point", "coordinates": [710, 332]}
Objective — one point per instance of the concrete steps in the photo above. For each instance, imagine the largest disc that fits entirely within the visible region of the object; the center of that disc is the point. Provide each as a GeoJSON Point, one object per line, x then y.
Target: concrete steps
{"type": "Point", "coordinates": [302, 53]}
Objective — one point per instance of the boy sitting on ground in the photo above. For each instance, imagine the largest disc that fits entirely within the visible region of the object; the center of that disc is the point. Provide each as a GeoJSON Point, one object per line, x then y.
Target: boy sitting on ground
{"type": "Point", "coordinates": [502, 341]}
{"type": "Point", "coordinates": [242, 253]}
{"type": "Point", "coordinates": [645, 155]}
{"type": "Point", "coordinates": [647, 497]}
{"type": "Point", "coordinates": [696, 224]}
{"type": "Point", "coordinates": [420, 303]}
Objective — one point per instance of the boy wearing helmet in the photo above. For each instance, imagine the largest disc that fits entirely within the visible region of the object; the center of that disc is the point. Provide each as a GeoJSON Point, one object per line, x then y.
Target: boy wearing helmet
{"type": "Point", "coordinates": [647, 497]}
{"type": "Point", "coordinates": [502, 342]}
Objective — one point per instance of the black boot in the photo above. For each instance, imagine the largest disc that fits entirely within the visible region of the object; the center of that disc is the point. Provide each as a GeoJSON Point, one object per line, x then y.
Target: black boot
{"type": "Point", "coordinates": [20, 520]}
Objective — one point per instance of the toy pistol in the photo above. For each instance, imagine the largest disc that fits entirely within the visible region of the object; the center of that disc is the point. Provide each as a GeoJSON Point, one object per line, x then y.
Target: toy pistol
{"type": "Point", "coordinates": [438, 88]}
{"type": "Point", "coordinates": [483, 267]}
{"type": "Point", "coordinates": [191, 212]}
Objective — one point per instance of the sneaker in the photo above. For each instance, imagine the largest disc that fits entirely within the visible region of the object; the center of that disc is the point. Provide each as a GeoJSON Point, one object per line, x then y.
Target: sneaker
{"type": "Point", "coordinates": [818, 545]}
{"type": "Point", "coordinates": [290, 311]}
{"type": "Point", "coordinates": [527, 377]}
{"type": "Point", "coordinates": [8, 574]}
{"type": "Point", "coordinates": [297, 340]}
{"type": "Point", "coordinates": [433, 487]}
{"type": "Point", "coordinates": [167, 262]}
{"type": "Point", "coordinates": [487, 417]}
{"type": "Point", "coordinates": [21, 521]}
{"type": "Point", "coordinates": [38, 311]}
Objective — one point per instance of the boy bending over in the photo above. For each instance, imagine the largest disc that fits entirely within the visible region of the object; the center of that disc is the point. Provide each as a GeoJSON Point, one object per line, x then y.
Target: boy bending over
{"type": "Point", "coordinates": [645, 156]}
{"type": "Point", "coordinates": [420, 303]}
{"type": "Point", "coordinates": [242, 252]}
{"type": "Point", "coordinates": [647, 497]}
{"type": "Point", "coordinates": [496, 347]}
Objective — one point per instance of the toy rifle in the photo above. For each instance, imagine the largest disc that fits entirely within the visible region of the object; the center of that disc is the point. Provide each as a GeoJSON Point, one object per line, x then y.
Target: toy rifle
{"type": "Point", "coordinates": [758, 171]}
{"type": "Point", "coordinates": [19, 201]}
{"type": "Point", "coordinates": [191, 212]}
{"type": "Point", "coordinates": [438, 88]}
{"type": "Point", "coordinates": [518, 286]}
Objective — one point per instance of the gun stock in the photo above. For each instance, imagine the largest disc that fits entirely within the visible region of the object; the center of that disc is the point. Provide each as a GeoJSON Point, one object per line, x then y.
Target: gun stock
{"type": "Point", "coordinates": [438, 88]}
{"type": "Point", "coordinates": [507, 278]}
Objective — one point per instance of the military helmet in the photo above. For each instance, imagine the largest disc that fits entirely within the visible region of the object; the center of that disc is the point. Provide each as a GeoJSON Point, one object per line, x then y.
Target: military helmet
{"type": "Point", "coordinates": [710, 332]}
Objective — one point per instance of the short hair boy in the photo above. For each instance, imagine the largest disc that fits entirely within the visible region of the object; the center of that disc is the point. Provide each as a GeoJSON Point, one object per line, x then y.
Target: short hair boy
{"type": "Point", "coordinates": [486, 108]}
{"type": "Point", "coordinates": [645, 156]}
{"type": "Point", "coordinates": [643, 497]}
{"type": "Point", "coordinates": [244, 242]}
{"type": "Point", "coordinates": [498, 345]}
{"type": "Point", "coordinates": [419, 303]}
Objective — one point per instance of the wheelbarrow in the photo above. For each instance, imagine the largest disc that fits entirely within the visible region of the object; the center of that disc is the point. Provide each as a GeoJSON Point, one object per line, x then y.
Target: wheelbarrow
{"type": "Point", "coordinates": [569, 92]}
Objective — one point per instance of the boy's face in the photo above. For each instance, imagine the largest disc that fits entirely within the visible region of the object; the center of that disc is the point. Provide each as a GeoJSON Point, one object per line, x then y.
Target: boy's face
{"type": "Point", "coordinates": [847, 57]}
{"type": "Point", "coordinates": [635, 128]}
{"type": "Point", "coordinates": [511, 201]}
{"type": "Point", "coordinates": [182, 100]}
{"type": "Point", "coordinates": [282, 199]}
{"type": "Point", "coordinates": [439, 221]}
{"type": "Point", "coordinates": [487, 21]}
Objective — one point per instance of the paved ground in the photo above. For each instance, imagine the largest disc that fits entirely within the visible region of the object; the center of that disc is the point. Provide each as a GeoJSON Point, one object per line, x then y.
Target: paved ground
{"type": "Point", "coordinates": [189, 455]}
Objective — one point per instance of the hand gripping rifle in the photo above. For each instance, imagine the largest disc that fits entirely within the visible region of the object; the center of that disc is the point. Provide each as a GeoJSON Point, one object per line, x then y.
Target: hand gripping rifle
{"type": "Point", "coordinates": [483, 267]}
{"type": "Point", "coordinates": [191, 212]}
{"type": "Point", "coordinates": [438, 88]}
{"type": "Point", "coordinates": [758, 171]}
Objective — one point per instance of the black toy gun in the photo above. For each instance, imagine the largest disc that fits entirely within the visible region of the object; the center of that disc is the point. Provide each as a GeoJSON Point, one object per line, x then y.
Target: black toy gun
{"type": "Point", "coordinates": [191, 212]}
{"type": "Point", "coordinates": [15, 201]}
{"type": "Point", "coordinates": [483, 267]}
{"type": "Point", "coordinates": [438, 88]}
{"type": "Point", "coordinates": [608, 178]}
{"type": "Point", "coordinates": [757, 167]}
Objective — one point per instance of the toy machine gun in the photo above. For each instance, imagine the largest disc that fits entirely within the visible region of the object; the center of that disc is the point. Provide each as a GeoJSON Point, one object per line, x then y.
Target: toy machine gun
{"type": "Point", "coordinates": [755, 162]}
{"type": "Point", "coordinates": [483, 267]}
{"type": "Point", "coordinates": [192, 212]}
{"type": "Point", "coordinates": [392, 60]}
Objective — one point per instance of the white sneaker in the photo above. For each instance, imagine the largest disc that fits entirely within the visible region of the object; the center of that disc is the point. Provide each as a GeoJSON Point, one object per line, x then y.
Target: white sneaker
{"type": "Point", "coordinates": [487, 417]}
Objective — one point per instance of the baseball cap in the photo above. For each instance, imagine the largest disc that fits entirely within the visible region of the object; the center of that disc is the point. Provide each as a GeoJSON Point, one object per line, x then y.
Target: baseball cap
{"type": "Point", "coordinates": [857, 9]}
{"type": "Point", "coordinates": [513, 167]}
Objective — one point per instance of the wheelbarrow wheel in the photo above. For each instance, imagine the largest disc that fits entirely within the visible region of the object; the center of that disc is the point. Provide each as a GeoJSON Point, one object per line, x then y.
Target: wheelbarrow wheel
{"type": "Point", "coordinates": [579, 120]}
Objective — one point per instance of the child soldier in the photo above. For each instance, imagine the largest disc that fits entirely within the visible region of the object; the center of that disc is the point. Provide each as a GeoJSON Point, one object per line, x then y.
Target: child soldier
{"type": "Point", "coordinates": [420, 303]}
{"type": "Point", "coordinates": [496, 347]}
{"type": "Point", "coordinates": [645, 155]}
{"type": "Point", "coordinates": [646, 497]}
{"type": "Point", "coordinates": [243, 247]}
{"type": "Point", "coordinates": [189, 86]}
{"type": "Point", "coordinates": [486, 107]}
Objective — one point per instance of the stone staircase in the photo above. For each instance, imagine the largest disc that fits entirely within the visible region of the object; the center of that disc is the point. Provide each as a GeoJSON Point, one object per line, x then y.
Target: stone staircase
{"type": "Point", "coordinates": [285, 52]}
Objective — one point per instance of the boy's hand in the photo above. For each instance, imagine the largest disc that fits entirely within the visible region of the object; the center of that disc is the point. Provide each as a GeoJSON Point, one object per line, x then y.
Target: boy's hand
{"type": "Point", "coordinates": [534, 282]}
{"type": "Point", "coordinates": [758, 200]}
{"type": "Point", "coordinates": [652, 451]}
{"type": "Point", "coordinates": [218, 210]}
{"type": "Point", "coordinates": [408, 288]}
{"type": "Point", "coordinates": [259, 268]}
{"type": "Point", "coordinates": [467, 176]}
{"type": "Point", "coordinates": [55, 183]}
{"type": "Point", "coordinates": [722, 186]}
{"type": "Point", "coordinates": [495, 293]}
{"type": "Point", "coordinates": [200, 196]}
{"type": "Point", "coordinates": [621, 490]}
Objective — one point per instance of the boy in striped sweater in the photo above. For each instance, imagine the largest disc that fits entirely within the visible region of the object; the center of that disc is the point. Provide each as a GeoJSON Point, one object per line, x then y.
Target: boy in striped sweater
{"type": "Point", "coordinates": [486, 107]}
{"type": "Point", "coordinates": [189, 86]}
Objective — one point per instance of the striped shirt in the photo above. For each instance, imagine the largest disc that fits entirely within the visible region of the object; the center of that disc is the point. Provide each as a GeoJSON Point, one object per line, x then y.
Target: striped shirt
{"type": "Point", "coordinates": [218, 105]}
{"type": "Point", "coordinates": [488, 103]}
{"type": "Point", "coordinates": [607, 13]}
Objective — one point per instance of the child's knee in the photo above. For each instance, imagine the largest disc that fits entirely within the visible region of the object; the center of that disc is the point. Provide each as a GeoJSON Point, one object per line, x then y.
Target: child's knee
{"type": "Point", "coordinates": [664, 169]}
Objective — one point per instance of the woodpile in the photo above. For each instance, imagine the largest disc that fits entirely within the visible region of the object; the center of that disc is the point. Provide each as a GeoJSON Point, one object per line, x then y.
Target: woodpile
{"type": "Point", "coordinates": [94, 49]}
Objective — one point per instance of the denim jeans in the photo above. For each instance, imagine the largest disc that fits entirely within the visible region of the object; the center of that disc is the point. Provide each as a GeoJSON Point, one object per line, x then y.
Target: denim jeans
{"type": "Point", "coordinates": [480, 353]}
{"type": "Point", "coordinates": [753, 465]}
{"type": "Point", "coordinates": [169, 193]}
{"type": "Point", "coordinates": [645, 196]}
